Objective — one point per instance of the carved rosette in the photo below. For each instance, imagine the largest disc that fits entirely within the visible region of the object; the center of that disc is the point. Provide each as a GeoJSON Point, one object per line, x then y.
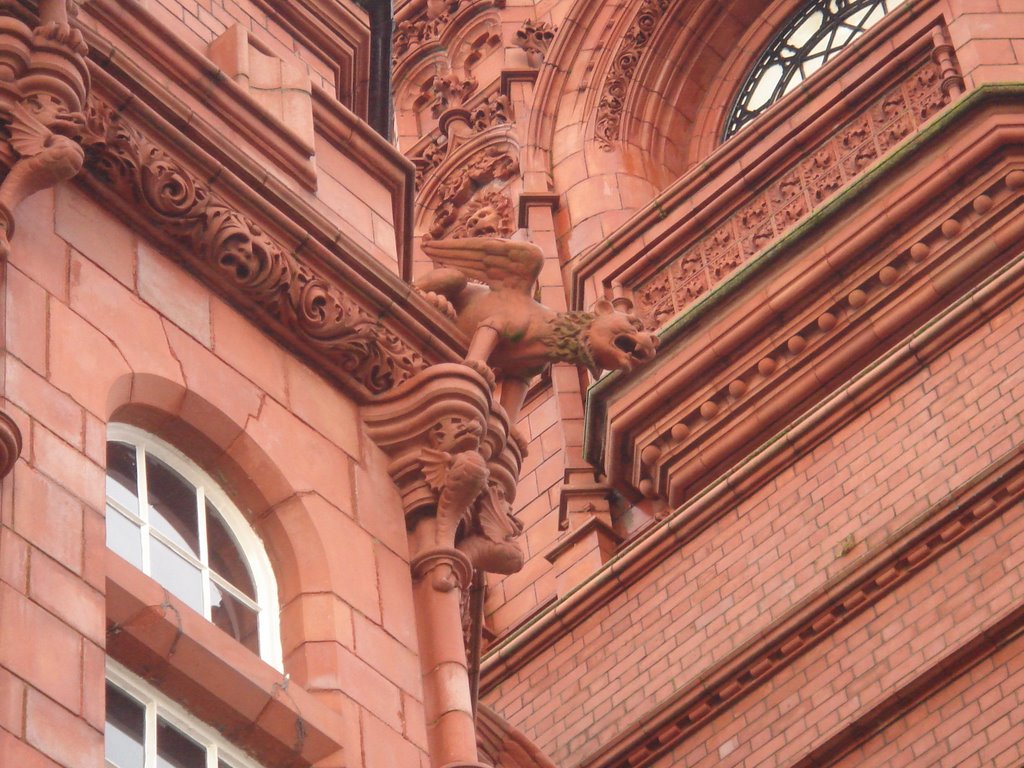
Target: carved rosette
{"type": "Point", "coordinates": [219, 240]}
{"type": "Point", "coordinates": [627, 57]}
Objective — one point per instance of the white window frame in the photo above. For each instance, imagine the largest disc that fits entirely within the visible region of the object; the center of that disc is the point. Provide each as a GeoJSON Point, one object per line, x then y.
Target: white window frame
{"type": "Point", "coordinates": [157, 705]}
{"type": "Point", "coordinates": [249, 543]}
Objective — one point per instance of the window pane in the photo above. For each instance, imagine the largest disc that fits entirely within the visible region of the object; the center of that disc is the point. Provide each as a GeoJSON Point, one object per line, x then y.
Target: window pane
{"type": "Point", "coordinates": [124, 537]}
{"type": "Point", "coordinates": [177, 574]}
{"type": "Point", "coordinates": [225, 557]}
{"type": "Point", "coordinates": [124, 731]}
{"type": "Point", "coordinates": [176, 750]}
{"type": "Point", "coordinates": [122, 476]}
{"type": "Point", "coordinates": [233, 617]}
{"type": "Point", "coordinates": [172, 504]}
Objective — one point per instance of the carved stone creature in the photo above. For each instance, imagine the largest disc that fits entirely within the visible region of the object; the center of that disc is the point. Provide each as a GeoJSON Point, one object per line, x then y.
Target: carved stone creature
{"type": "Point", "coordinates": [489, 283]}
{"type": "Point", "coordinates": [44, 82]}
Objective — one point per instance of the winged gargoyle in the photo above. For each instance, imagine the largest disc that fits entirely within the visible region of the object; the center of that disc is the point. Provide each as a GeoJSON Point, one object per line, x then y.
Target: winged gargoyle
{"type": "Point", "coordinates": [489, 283]}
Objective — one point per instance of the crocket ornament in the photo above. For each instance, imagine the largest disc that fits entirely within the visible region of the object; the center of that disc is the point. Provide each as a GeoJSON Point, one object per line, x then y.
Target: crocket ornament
{"type": "Point", "coordinates": [489, 283]}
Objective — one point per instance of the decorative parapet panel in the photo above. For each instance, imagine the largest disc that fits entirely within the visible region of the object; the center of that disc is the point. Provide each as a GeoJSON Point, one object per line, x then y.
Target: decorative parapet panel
{"type": "Point", "coordinates": [793, 194]}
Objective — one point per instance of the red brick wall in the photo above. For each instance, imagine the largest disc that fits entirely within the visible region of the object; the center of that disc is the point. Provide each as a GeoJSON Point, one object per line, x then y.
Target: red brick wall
{"type": "Point", "coordinates": [926, 437]}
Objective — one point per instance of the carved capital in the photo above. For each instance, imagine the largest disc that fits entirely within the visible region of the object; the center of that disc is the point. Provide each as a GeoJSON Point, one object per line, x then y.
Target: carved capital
{"type": "Point", "coordinates": [454, 464]}
{"type": "Point", "coordinates": [448, 567]}
{"type": "Point", "coordinates": [535, 38]}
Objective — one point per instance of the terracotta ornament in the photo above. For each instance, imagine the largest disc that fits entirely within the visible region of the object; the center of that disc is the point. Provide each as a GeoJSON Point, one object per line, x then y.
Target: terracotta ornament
{"type": "Point", "coordinates": [44, 83]}
{"type": "Point", "coordinates": [452, 460]}
{"type": "Point", "coordinates": [489, 283]}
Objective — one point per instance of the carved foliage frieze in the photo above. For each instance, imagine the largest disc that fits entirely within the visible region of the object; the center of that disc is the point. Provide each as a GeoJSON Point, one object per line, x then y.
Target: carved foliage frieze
{"type": "Point", "coordinates": [632, 47]}
{"type": "Point", "coordinates": [221, 241]}
{"type": "Point", "coordinates": [788, 199]}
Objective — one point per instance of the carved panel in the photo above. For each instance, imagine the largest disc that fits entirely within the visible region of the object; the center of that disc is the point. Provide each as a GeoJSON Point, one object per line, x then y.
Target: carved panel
{"type": "Point", "coordinates": [787, 199]}
{"type": "Point", "coordinates": [221, 241]}
{"type": "Point", "coordinates": [476, 181]}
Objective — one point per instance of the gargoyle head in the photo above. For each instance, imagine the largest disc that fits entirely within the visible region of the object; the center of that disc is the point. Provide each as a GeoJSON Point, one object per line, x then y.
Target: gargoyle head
{"type": "Point", "coordinates": [616, 340]}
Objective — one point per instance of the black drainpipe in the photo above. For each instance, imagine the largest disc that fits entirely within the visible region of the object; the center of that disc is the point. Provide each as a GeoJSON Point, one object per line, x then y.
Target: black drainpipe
{"type": "Point", "coordinates": [378, 113]}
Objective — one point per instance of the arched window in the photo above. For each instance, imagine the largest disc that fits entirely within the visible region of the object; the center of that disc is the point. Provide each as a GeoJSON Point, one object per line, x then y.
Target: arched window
{"type": "Point", "coordinates": [171, 520]}
{"type": "Point", "coordinates": [145, 729]}
{"type": "Point", "coordinates": [811, 37]}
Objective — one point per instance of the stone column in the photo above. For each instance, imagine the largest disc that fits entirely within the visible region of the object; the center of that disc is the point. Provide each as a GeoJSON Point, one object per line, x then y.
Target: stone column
{"type": "Point", "coordinates": [456, 469]}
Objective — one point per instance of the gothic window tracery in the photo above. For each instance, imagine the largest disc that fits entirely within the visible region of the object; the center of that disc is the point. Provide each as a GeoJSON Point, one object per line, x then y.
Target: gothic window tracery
{"type": "Point", "coordinates": [811, 37]}
{"type": "Point", "coordinates": [172, 521]}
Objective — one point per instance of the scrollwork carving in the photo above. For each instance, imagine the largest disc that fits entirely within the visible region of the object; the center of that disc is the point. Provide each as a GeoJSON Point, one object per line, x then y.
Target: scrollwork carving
{"type": "Point", "coordinates": [613, 95]}
{"type": "Point", "coordinates": [252, 265]}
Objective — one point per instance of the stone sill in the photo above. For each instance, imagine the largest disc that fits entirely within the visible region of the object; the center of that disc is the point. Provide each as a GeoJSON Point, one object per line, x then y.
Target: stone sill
{"type": "Point", "coordinates": [158, 637]}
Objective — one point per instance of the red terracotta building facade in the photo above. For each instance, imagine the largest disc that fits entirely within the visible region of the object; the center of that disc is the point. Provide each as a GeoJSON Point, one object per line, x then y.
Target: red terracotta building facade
{"type": "Point", "coordinates": [251, 491]}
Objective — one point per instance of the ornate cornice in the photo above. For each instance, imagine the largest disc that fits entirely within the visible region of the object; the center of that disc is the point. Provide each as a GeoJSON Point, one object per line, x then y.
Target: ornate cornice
{"type": "Point", "coordinates": [220, 241]}
{"type": "Point", "coordinates": [882, 298]}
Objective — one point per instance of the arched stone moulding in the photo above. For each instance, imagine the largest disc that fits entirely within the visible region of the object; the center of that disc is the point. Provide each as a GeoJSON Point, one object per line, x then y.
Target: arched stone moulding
{"type": "Point", "coordinates": [178, 649]}
{"type": "Point", "coordinates": [831, 310]}
{"type": "Point", "coordinates": [732, 214]}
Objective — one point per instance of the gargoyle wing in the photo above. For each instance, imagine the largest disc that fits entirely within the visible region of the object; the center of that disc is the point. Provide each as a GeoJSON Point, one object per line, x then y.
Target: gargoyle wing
{"type": "Point", "coordinates": [496, 522]}
{"type": "Point", "coordinates": [507, 264]}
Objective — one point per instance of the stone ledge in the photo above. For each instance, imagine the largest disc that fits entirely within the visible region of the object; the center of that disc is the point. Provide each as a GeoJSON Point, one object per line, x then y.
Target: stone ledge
{"type": "Point", "coordinates": [159, 638]}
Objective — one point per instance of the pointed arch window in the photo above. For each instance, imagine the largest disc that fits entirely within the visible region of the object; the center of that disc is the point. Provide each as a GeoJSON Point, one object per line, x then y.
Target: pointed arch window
{"type": "Point", "coordinates": [171, 520]}
{"type": "Point", "coordinates": [811, 37]}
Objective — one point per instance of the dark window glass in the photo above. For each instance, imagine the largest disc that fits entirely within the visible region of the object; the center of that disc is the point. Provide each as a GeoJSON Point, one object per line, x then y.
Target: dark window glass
{"type": "Point", "coordinates": [225, 556]}
{"type": "Point", "coordinates": [176, 750]}
{"type": "Point", "coordinates": [124, 731]}
{"type": "Point", "coordinates": [172, 504]}
{"type": "Point", "coordinates": [122, 476]}
{"type": "Point", "coordinates": [235, 618]}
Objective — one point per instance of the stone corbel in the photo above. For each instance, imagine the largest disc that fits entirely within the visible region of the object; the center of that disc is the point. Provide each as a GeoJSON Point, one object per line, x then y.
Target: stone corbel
{"type": "Point", "coordinates": [44, 83]}
{"type": "Point", "coordinates": [456, 469]}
